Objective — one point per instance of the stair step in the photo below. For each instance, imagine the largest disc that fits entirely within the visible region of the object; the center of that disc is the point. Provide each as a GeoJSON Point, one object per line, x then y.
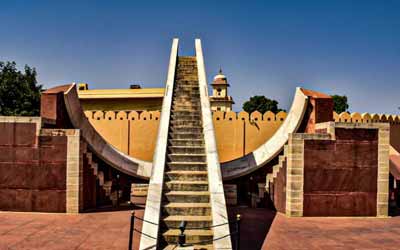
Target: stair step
{"type": "Point", "coordinates": [190, 166]}
{"type": "Point", "coordinates": [187, 157]}
{"type": "Point", "coordinates": [187, 196]}
{"type": "Point", "coordinates": [195, 247]}
{"type": "Point", "coordinates": [186, 149]}
{"type": "Point", "coordinates": [177, 208]}
{"type": "Point", "coordinates": [192, 236]}
{"type": "Point", "coordinates": [180, 126]}
{"type": "Point", "coordinates": [179, 135]}
{"type": "Point", "coordinates": [186, 122]}
{"type": "Point", "coordinates": [189, 116]}
{"type": "Point", "coordinates": [186, 142]}
{"type": "Point", "coordinates": [186, 185]}
{"type": "Point", "coordinates": [191, 112]}
{"type": "Point", "coordinates": [193, 222]}
{"type": "Point", "coordinates": [187, 175]}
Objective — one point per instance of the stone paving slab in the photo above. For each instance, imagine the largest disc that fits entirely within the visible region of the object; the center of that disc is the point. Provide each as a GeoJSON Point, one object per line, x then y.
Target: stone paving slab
{"type": "Point", "coordinates": [101, 230]}
{"type": "Point", "coordinates": [333, 233]}
{"type": "Point", "coordinates": [110, 230]}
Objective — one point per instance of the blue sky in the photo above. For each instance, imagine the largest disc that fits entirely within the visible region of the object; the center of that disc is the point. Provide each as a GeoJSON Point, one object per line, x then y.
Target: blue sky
{"type": "Point", "coordinates": [264, 47]}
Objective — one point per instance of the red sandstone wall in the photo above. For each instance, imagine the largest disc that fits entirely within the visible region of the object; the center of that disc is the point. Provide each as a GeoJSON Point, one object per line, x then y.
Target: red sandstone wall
{"type": "Point", "coordinates": [279, 186]}
{"type": "Point", "coordinates": [340, 177]}
{"type": "Point", "coordinates": [32, 169]}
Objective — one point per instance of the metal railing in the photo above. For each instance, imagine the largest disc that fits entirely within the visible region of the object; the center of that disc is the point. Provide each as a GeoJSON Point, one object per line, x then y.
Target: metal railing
{"type": "Point", "coordinates": [182, 236]}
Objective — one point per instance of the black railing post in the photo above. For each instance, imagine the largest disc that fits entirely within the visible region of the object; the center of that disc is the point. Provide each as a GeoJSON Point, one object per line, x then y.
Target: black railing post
{"type": "Point", "coordinates": [237, 232]}
{"type": "Point", "coordinates": [131, 230]}
{"type": "Point", "coordinates": [182, 236]}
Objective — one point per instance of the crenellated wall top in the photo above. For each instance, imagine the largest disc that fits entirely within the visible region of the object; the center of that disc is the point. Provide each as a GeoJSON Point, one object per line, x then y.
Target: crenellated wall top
{"type": "Point", "coordinates": [242, 115]}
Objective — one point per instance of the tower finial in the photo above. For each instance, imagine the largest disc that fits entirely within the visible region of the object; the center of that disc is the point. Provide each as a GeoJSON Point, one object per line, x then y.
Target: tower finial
{"type": "Point", "coordinates": [220, 70]}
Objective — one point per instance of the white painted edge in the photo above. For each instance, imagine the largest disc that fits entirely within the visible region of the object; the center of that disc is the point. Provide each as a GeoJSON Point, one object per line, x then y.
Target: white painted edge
{"type": "Point", "coordinates": [216, 188]}
{"type": "Point", "coordinates": [104, 150]}
{"type": "Point", "coordinates": [272, 147]}
{"type": "Point", "coordinates": [154, 196]}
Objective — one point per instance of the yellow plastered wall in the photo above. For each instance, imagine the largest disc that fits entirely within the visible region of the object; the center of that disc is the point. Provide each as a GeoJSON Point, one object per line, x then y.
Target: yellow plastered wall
{"type": "Point", "coordinates": [132, 133]}
{"type": "Point", "coordinates": [143, 131]}
{"type": "Point", "coordinates": [135, 133]}
{"type": "Point", "coordinates": [237, 134]}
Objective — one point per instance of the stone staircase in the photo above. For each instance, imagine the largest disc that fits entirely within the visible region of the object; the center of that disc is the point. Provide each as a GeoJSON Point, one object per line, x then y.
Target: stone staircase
{"type": "Point", "coordinates": [276, 168]}
{"type": "Point", "coordinates": [186, 194]}
{"type": "Point", "coordinates": [106, 185]}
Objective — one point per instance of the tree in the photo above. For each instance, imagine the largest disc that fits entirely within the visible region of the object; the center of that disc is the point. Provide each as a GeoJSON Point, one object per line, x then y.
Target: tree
{"type": "Point", "coordinates": [340, 103]}
{"type": "Point", "coordinates": [261, 104]}
{"type": "Point", "coordinates": [19, 91]}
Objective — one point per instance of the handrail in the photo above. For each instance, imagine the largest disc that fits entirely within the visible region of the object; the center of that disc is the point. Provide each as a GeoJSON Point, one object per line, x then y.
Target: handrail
{"type": "Point", "coordinates": [182, 237]}
{"type": "Point", "coordinates": [154, 194]}
{"type": "Point", "coordinates": [216, 189]}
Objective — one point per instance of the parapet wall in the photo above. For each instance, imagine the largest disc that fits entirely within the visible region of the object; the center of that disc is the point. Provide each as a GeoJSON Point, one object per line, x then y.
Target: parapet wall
{"type": "Point", "coordinates": [135, 133]}
{"type": "Point", "coordinates": [237, 134]}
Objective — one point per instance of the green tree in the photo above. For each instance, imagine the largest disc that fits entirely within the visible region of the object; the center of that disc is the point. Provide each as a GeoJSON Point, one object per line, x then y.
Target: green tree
{"type": "Point", "coordinates": [19, 91]}
{"type": "Point", "coordinates": [262, 104]}
{"type": "Point", "coordinates": [340, 103]}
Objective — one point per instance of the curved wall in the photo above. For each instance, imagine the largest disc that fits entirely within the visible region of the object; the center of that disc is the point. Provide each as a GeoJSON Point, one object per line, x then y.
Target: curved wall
{"type": "Point", "coordinates": [238, 134]}
{"type": "Point", "coordinates": [135, 133]}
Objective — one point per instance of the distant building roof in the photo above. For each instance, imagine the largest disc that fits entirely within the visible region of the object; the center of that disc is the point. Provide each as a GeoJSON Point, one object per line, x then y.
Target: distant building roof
{"type": "Point", "coordinates": [121, 93]}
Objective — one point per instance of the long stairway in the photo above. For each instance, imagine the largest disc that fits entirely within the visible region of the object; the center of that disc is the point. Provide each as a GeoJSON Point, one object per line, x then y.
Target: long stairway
{"type": "Point", "coordinates": [185, 193]}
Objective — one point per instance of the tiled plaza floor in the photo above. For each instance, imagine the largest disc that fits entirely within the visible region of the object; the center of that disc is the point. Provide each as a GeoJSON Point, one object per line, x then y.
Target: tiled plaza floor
{"type": "Point", "coordinates": [109, 230]}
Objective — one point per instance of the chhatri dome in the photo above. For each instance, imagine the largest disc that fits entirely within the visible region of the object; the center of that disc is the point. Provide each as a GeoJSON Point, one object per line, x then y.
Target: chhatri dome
{"type": "Point", "coordinates": [220, 75]}
{"type": "Point", "coordinates": [220, 100]}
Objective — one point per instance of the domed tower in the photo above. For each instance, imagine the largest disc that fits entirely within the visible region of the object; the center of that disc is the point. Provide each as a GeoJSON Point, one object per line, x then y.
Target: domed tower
{"type": "Point", "coordinates": [220, 100]}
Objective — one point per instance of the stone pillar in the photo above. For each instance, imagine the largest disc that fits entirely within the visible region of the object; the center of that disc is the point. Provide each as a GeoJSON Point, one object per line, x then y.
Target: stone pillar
{"type": "Point", "coordinates": [295, 176]}
{"type": "Point", "coordinates": [74, 174]}
{"type": "Point", "coordinates": [382, 199]}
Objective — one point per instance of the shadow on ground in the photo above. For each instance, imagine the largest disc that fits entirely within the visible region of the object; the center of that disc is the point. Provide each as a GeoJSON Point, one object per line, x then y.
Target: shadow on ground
{"type": "Point", "coordinates": [254, 227]}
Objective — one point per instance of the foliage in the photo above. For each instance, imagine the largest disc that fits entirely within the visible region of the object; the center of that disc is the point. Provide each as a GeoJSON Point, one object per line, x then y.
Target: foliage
{"type": "Point", "coordinates": [261, 104]}
{"type": "Point", "coordinates": [19, 91]}
{"type": "Point", "coordinates": [340, 103]}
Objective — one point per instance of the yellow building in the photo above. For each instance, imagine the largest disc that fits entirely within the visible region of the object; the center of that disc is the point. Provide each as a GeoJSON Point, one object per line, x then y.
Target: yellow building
{"type": "Point", "coordinates": [134, 98]}
{"type": "Point", "coordinates": [146, 99]}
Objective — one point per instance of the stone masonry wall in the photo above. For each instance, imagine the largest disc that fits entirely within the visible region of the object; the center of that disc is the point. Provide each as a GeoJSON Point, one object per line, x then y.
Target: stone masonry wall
{"type": "Point", "coordinates": [340, 176]}
{"type": "Point", "coordinates": [32, 168]}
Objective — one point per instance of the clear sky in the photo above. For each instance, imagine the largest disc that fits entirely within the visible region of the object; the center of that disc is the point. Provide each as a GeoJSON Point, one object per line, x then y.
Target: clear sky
{"type": "Point", "coordinates": [264, 47]}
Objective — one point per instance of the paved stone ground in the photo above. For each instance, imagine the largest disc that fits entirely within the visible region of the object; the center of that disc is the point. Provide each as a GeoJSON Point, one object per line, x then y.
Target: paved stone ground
{"type": "Point", "coordinates": [110, 230]}
{"type": "Point", "coordinates": [333, 233]}
{"type": "Point", "coordinates": [101, 230]}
